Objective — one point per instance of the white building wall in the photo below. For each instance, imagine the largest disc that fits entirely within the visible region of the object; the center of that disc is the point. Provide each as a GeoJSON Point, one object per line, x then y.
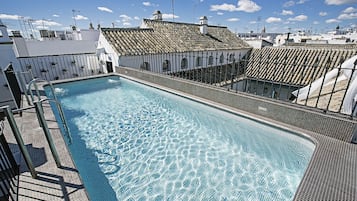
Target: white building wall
{"type": "Point", "coordinates": [156, 61]}
{"type": "Point", "coordinates": [57, 67]}
{"type": "Point", "coordinates": [52, 47]}
{"type": "Point", "coordinates": [88, 34]}
{"type": "Point", "coordinates": [7, 56]}
{"type": "Point", "coordinates": [106, 53]}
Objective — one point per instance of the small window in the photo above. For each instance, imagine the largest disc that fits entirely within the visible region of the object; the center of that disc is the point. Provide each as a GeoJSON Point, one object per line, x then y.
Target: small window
{"type": "Point", "coordinates": [145, 66]}
{"type": "Point", "coordinates": [1, 34]}
{"type": "Point", "coordinates": [231, 57]}
{"type": "Point", "coordinates": [184, 63]}
{"type": "Point", "coordinates": [166, 66]}
{"type": "Point", "coordinates": [210, 60]}
{"type": "Point", "coordinates": [199, 61]}
{"type": "Point", "coordinates": [221, 59]}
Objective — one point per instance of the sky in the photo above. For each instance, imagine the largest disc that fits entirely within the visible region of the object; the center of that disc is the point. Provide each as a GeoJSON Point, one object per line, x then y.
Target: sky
{"type": "Point", "coordinates": [240, 16]}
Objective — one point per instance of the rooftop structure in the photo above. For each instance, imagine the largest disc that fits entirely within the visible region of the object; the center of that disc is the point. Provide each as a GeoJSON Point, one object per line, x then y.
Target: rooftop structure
{"type": "Point", "coordinates": [156, 36]}
{"type": "Point", "coordinates": [332, 172]}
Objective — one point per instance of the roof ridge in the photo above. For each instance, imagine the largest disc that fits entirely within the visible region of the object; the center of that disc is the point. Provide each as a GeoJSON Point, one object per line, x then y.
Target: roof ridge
{"type": "Point", "coordinates": [185, 23]}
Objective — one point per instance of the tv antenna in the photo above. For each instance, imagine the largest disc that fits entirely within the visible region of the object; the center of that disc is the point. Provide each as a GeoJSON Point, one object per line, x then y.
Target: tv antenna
{"type": "Point", "coordinates": [74, 17]}
{"type": "Point", "coordinates": [173, 10]}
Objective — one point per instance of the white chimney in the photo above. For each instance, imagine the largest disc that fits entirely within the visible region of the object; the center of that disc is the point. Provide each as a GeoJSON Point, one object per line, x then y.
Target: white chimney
{"type": "Point", "coordinates": [203, 25]}
{"type": "Point", "coordinates": [157, 15]}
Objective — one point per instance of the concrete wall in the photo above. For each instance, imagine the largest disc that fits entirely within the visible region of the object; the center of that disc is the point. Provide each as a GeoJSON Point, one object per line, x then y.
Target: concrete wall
{"type": "Point", "coordinates": [53, 47]}
{"type": "Point", "coordinates": [330, 125]}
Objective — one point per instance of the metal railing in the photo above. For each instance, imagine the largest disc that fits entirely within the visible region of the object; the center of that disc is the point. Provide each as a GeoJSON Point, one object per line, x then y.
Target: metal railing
{"type": "Point", "coordinates": [270, 73]}
{"type": "Point", "coordinates": [9, 170]}
{"type": "Point", "coordinates": [54, 100]}
{"type": "Point", "coordinates": [57, 67]}
{"type": "Point", "coordinates": [17, 134]}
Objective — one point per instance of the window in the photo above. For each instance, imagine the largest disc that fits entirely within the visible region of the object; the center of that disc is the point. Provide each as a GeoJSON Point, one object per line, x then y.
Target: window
{"type": "Point", "coordinates": [221, 59]}
{"type": "Point", "coordinates": [231, 57]}
{"type": "Point", "coordinates": [199, 61]}
{"type": "Point", "coordinates": [184, 63]}
{"type": "Point", "coordinates": [166, 66]}
{"type": "Point", "coordinates": [1, 34]}
{"type": "Point", "coordinates": [145, 66]}
{"type": "Point", "coordinates": [210, 60]}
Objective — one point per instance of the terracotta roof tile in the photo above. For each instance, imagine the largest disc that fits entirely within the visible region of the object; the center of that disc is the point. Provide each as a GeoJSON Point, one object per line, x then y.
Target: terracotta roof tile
{"type": "Point", "coordinates": [163, 37]}
{"type": "Point", "coordinates": [295, 65]}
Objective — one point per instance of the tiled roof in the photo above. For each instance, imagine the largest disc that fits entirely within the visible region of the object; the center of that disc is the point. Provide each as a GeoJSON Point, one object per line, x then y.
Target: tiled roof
{"type": "Point", "coordinates": [296, 65]}
{"type": "Point", "coordinates": [164, 37]}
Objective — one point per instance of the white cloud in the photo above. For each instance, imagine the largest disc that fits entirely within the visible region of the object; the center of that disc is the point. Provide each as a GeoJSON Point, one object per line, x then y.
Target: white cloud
{"type": "Point", "coordinates": [220, 13]}
{"type": "Point", "coordinates": [9, 17]}
{"type": "Point", "coordinates": [287, 12]}
{"type": "Point", "coordinates": [347, 16]}
{"type": "Point", "coordinates": [146, 3]}
{"type": "Point", "coordinates": [224, 7]}
{"type": "Point", "coordinates": [339, 2]}
{"type": "Point", "coordinates": [80, 17]}
{"type": "Point", "coordinates": [316, 22]}
{"type": "Point", "coordinates": [233, 19]}
{"type": "Point", "coordinates": [322, 14]}
{"type": "Point", "coordinates": [46, 23]}
{"type": "Point", "coordinates": [105, 9]}
{"type": "Point", "coordinates": [55, 15]}
{"type": "Point", "coordinates": [350, 10]}
{"type": "Point", "coordinates": [289, 4]}
{"type": "Point", "coordinates": [169, 16]}
{"type": "Point", "coordinates": [126, 23]}
{"type": "Point", "coordinates": [248, 6]}
{"type": "Point", "coordinates": [329, 21]}
{"type": "Point", "coordinates": [299, 18]}
{"type": "Point", "coordinates": [273, 19]}
{"type": "Point", "coordinates": [136, 18]}
{"type": "Point", "coordinates": [125, 18]}
{"type": "Point", "coordinates": [253, 22]}
{"type": "Point", "coordinates": [242, 5]}
{"type": "Point", "coordinates": [301, 1]}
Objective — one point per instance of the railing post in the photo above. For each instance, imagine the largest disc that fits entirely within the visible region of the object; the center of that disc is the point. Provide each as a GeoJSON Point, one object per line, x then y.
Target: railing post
{"type": "Point", "coordinates": [349, 83]}
{"type": "Point", "coordinates": [323, 80]}
{"type": "Point", "coordinates": [19, 140]}
{"type": "Point", "coordinates": [334, 84]}
{"type": "Point", "coordinates": [304, 65]}
{"type": "Point", "coordinates": [315, 65]}
{"type": "Point", "coordinates": [47, 132]}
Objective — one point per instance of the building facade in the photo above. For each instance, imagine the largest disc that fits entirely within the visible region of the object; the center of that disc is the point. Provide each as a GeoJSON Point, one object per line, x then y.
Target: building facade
{"type": "Point", "coordinates": [170, 47]}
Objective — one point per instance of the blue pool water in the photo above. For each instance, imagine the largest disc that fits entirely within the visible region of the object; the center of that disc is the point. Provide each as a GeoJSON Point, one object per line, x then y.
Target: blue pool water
{"type": "Point", "coordinates": [135, 142]}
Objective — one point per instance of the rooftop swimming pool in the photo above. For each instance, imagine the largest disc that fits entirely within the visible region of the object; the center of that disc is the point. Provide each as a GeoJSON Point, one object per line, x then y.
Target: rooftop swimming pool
{"type": "Point", "coordinates": [135, 142]}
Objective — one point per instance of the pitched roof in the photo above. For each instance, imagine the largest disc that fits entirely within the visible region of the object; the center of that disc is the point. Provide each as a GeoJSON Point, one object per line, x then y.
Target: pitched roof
{"type": "Point", "coordinates": [164, 37]}
{"type": "Point", "coordinates": [296, 65]}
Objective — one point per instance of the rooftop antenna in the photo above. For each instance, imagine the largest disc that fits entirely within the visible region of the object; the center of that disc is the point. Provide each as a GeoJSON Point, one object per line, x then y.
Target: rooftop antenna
{"type": "Point", "coordinates": [74, 17]}
{"type": "Point", "coordinates": [173, 10]}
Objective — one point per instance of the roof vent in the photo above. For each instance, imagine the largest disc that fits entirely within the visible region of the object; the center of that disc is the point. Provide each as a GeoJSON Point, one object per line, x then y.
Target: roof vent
{"type": "Point", "coordinates": [157, 15]}
{"type": "Point", "coordinates": [203, 25]}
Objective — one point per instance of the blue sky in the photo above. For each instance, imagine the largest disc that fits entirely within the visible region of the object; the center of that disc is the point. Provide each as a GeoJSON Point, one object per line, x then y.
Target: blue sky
{"type": "Point", "coordinates": [238, 15]}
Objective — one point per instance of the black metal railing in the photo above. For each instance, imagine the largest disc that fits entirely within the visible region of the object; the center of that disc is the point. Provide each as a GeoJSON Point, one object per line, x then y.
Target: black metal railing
{"type": "Point", "coordinates": [9, 170]}
{"type": "Point", "coordinates": [271, 73]}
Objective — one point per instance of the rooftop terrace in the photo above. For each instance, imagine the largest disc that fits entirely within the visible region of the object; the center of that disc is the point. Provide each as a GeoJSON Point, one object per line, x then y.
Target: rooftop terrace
{"type": "Point", "coordinates": [331, 174]}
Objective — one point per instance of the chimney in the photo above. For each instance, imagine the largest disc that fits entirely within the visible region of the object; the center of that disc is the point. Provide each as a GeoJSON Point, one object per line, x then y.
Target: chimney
{"type": "Point", "coordinates": [157, 15]}
{"type": "Point", "coordinates": [203, 25]}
